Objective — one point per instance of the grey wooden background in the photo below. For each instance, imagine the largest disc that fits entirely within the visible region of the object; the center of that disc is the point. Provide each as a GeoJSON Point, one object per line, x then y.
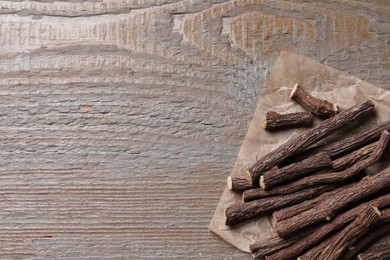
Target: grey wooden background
{"type": "Point", "coordinates": [120, 120]}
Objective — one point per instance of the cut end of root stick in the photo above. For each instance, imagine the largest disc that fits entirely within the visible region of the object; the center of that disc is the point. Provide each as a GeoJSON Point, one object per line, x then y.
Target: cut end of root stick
{"type": "Point", "coordinates": [229, 183]}
{"type": "Point", "coordinates": [225, 220]}
{"type": "Point", "coordinates": [264, 123]}
{"type": "Point", "coordinates": [335, 108]}
{"type": "Point", "coordinates": [261, 182]}
{"type": "Point", "coordinates": [294, 90]}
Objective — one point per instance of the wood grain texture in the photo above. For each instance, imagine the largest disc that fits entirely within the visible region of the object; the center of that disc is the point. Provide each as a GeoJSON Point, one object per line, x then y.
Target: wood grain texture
{"type": "Point", "coordinates": [120, 120]}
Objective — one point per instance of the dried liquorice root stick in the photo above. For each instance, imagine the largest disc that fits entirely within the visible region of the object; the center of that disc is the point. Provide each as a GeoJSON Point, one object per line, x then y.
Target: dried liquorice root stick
{"type": "Point", "coordinates": [273, 120]}
{"type": "Point", "coordinates": [294, 210]}
{"type": "Point", "coordinates": [333, 177]}
{"type": "Point", "coordinates": [308, 138]}
{"type": "Point", "coordinates": [240, 212]}
{"type": "Point", "coordinates": [325, 230]}
{"type": "Point", "coordinates": [332, 205]}
{"type": "Point", "coordinates": [294, 171]}
{"type": "Point", "coordinates": [368, 239]}
{"type": "Point", "coordinates": [336, 246]}
{"type": "Point", "coordinates": [239, 183]}
{"type": "Point", "coordinates": [259, 193]}
{"type": "Point", "coordinates": [319, 107]}
{"type": "Point", "coordinates": [353, 157]}
{"type": "Point", "coordinates": [346, 145]}
{"type": "Point", "coordinates": [376, 252]}
{"type": "Point", "coordinates": [270, 245]}
{"type": "Point", "coordinates": [351, 143]}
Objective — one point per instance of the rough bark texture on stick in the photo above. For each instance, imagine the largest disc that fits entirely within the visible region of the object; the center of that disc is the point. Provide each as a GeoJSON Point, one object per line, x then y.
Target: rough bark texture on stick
{"type": "Point", "coordinates": [274, 120]}
{"type": "Point", "coordinates": [333, 177]}
{"type": "Point", "coordinates": [353, 157]}
{"type": "Point", "coordinates": [376, 252]}
{"type": "Point", "coordinates": [320, 178]}
{"type": "Point", "coordinates": [368, 239]}
{"type": "Point", "coordinates": [325, 230]}
{"type": "Point", "coordinates": [343, 146]}
{"type": "Point", "coordinates": [351, 143]}
{"type": "Point", "coordinates": [240, 212]}
{"type": "Point", "coordinates": [259, 193]}
{"type": "Point", "coordinates": [332, 205]}
{"type": "Point", "coordinates": [294, 210]}
{"type": "Point", "coordinates": [270, 245]}
{"type": "Point", "coordinates": [319, 107]}
{"type": "Point", "coordinates": [294, 171]}
{"type": "Point", "coordinates": [308, 138]}
{"type": "Point", "coordinates": [239, 183]}
{"type": "Point", "coordinates": [335, 247]}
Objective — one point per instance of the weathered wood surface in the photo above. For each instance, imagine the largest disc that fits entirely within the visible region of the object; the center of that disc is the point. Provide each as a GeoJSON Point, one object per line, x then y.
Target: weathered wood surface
{"type": "Point", "coordinates": [120, 120]}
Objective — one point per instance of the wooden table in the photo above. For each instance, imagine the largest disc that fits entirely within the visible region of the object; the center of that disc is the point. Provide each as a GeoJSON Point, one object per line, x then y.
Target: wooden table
{"type": "Point", "coordinates": [120, 120]}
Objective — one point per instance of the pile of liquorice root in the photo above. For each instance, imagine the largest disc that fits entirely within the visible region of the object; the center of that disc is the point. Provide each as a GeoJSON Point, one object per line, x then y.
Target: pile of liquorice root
{"type": "Point", "coordinates": [324, 204]}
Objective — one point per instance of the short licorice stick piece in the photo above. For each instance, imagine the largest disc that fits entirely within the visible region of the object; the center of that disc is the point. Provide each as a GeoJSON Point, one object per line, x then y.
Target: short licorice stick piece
{"type": "Point", "coordinates": [319, 107]}
{"type": "Point", "coordinates": [327, 229]}
{"type": "Point", "coordinates": [333, 177]}
{"type": "Point", "coordinates": [330, 206]}
{"type": "Point", "coordinates": [336, 246]}
{"type": "Point", "coordinates": [343, 146]}
{"type": "Point", "coordinates": [274, 120]}
{"type": "Point", "coordinates": [294, 171]}
{"type": "Point", "coordinates": [353, 157]}
{"type": "Point", "coordinates": [239, 183]}
{"type": "Point", "coordinates": [240, 212]}
{"type": "Point", "coordinates": [308, 138]}
{"type": "Point", "coordinates": [376, 252]}
{"type": "Point", "coordinates": [368, 239]}
{"type": "Point", "coordinates": [259, 193]}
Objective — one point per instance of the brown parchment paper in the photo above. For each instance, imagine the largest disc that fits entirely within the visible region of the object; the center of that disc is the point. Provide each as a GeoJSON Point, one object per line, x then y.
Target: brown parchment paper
{"type": "Point", "coordinates": [321, 81]}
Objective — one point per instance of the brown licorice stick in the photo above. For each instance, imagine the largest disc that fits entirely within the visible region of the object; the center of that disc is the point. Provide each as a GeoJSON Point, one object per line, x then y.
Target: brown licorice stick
{"type": "Point", "coordinates": [240, 212]}
{"type": "Point", "coordinates": [368, 239]}
{"type": "Point", "coordinates": [336, 246]}
{"type": "Point", "coordinates": [333, 177]}
{"type": "Point", "coordinates": [294, 210]}
{"type": "Point", "coordinates": [319, 234]}
{"type": "Point", "coordinates": [344, 146]}
{"type": "Point", "coordinates": [319, 107]}
{"type": "Point", "coordinates": [330, 206]}
{"type": "Point", "coordinates": [239, 183]}
{"type": "Point", "coordinates": [259, 193]}
{"type": "Point", "coordinates": [274, 120]}
{"type": "Point", "coordinates": [323, 177]}
{"type": "Point", "coordinates": [376, 252]}
{"type": "Point", "coordinates": [268, 246]}
{"type": "Point", "coordinates": [294, 171]}
{"type": "Point", "coordinates": [308, 138]}
{"type": "Point", "coordinates": [263, 247]}
{"type": "Point", "coordinates": [348, 160]}
{"type": "Point", "coordinates": [360, 139]}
